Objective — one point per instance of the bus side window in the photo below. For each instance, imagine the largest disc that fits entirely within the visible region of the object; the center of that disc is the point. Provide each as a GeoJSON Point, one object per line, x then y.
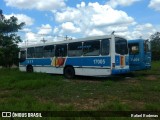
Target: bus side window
{"type": "Point", "coordinates": [133, 48]}
{"type": "Point", "coordinates": [91, 48]}
{"type": "Point", "coordinates": [30, 52]}
{"type": "Point", "coordinates": [39, 52]}
{"type": "Point", "coordinates": [49, 51]}
{"type": "Point", "coordinates": [105, 47]}
{"type": "Point", "coordinates": [75, 49]}
{"type": "Point", "coordinates": [146, 46]}
{"type": "Point", "coordinates": [61, 50]}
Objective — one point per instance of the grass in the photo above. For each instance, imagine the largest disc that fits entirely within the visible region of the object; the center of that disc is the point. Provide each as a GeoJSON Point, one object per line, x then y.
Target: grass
{"type": "Point", "coordinates": [21, 91]}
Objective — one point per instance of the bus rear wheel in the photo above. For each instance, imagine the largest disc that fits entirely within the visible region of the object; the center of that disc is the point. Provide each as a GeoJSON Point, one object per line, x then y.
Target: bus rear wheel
{"type": "Point", "coordinates": [69, 72]}
{"type": "Point", "coordinates": [29, 68]}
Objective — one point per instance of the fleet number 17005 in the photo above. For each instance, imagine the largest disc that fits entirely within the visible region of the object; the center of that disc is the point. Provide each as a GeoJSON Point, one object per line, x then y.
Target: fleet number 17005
{"type": "Point", "coordinates": [99, 61]}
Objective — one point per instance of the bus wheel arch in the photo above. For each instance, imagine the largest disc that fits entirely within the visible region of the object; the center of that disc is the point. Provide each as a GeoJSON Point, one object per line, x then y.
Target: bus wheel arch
{"type": "Point", "coordinates": [29, 68]}
{"type": "Point", "coordinates": [69, 72]}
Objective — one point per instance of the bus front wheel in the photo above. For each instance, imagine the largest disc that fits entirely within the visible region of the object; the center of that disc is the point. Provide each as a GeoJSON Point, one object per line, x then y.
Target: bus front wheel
{"type": "Point", "coordinates": [29, 68]}
{"type": "Point", "coordinates": [69, 72]}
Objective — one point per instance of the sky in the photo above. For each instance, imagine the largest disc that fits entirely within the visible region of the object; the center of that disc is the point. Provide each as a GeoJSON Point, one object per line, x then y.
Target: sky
{"type": "Point", "coordinates": [52, 20]}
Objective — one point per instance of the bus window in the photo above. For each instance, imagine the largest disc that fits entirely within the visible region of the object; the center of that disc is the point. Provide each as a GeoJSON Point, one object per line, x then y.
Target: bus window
{"type": "Point", "coordinates": [61, 50]}
{"type": "Point", "coordinates": [75, 49]}
{"type": "Point", "coordinates": [22, 56]}
{"type": "Point", "coordinates": [30, 52]}
{"type": "Point", "coordinates": [133, 48]}
{"type": "Point", "coordinates": [147, 46]}
{"type": "Point", "coordinates": [49, 51]}
{"type": "Point", "coordinates": [91, 48]}
{"type": "Point", "coordinates": [105, 47]}
{"type": "Point", "coordinates": [121, 46]}
{"type": "Point", "coordinates": [38, 52]}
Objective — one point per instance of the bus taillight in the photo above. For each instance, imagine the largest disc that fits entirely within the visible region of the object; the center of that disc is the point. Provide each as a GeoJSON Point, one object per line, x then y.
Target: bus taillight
{"type": "Point", "coordinates": [122, 61]}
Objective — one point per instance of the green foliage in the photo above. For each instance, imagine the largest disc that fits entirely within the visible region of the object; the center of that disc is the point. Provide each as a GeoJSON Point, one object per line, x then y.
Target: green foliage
{"type": "Point", "coordinates": [115, 105]}
{"type": "Point", "coordinates": [155, 43]}
{"type": "Point", "coordinates": [9, 40]}
{"type": "Point", "coordinates": [152, 106]}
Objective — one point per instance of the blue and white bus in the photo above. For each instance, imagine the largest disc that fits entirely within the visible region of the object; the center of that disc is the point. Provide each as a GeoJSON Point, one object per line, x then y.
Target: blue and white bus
{"type": "Point", "coordinates": [91, 56]}
{"type": "Point", "coordinates": [139, 54]}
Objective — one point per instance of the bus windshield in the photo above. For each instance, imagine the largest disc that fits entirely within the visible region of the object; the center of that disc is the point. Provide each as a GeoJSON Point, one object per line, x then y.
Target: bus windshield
{"type": "Point", "coordinates": [22, 55]}
{"type": "Point", "coordinates": [133, 48]}
{"type": "Point", "coordinates": [121, 46]}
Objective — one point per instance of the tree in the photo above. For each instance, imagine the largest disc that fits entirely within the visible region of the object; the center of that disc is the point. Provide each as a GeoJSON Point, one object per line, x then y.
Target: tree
{"type": "Point", "coordinates": [9, 40]}
{"type": "Point", "coordinates": [155, 43]}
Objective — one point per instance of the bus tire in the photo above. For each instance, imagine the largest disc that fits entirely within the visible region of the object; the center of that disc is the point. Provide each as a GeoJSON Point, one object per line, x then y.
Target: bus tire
{"type": "Point", "coordinates": [69, 72]}
{"type": "Point", "coordinates": [29, 68]}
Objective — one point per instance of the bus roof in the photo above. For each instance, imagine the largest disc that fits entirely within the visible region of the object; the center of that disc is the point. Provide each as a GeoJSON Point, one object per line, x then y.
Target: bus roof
{"type": "Point", "coordinates": [70, 41]}
{"type": "Point", "coordinates": [136, 40]}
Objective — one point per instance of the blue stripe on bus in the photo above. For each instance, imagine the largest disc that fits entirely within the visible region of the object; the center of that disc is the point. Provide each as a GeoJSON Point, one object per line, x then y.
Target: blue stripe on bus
{"type": "Point", "coordinates": [117, 60]}
{"type": "Point", "coordinates": [119, 71]}
{"type": "Point", "coordinates": [40, 61]}
{"type": "Point", "coordinates": [89, 61]}
{"type": "Point", "coordinates": [79, 61]}
{"type": "Point", "coordinates": [127, 60]}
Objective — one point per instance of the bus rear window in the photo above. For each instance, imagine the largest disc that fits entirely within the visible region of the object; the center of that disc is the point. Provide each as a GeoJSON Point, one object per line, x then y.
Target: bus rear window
{"type": "Point", "coordinates": [121, 46]}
